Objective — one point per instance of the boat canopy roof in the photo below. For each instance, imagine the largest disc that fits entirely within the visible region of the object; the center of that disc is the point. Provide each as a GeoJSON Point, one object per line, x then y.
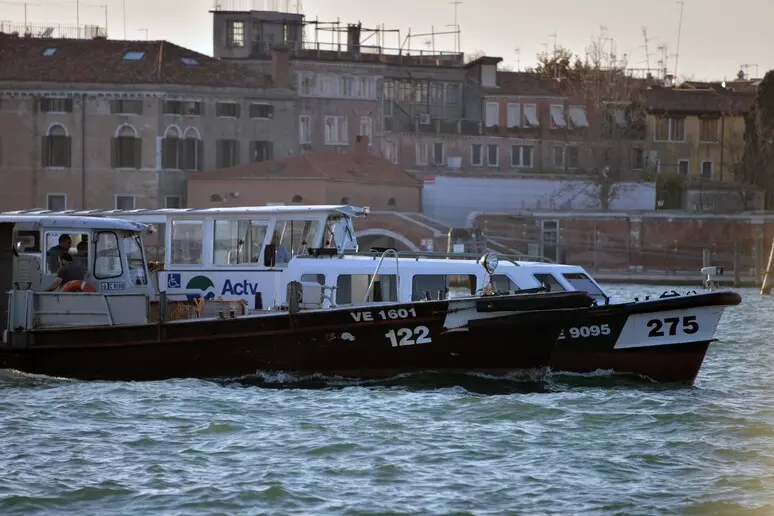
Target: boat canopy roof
{"type": "Point", "coordinates": [161, 215]}
{"type": "Point", "coordinates": [70, 222]}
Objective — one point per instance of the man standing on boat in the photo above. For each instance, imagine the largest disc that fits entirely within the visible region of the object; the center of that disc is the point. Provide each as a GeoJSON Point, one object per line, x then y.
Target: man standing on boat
{"type": "Point", "coordinates": [283, 255]}
{"type": "Point", "coordinates": [53, 254]}
{"type": "Point", "coordinates": [68, 271]}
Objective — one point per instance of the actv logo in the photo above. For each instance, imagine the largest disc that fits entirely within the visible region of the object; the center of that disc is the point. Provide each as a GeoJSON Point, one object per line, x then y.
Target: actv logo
{"type": "Point", "coordinates": [204, 284]}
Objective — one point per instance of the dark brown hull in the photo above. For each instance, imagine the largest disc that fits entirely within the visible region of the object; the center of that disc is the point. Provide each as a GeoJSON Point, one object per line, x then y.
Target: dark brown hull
{"type": "Point", "coordinates": [665, 339]}
{"type": "Point", "coordinates": [333, 342]}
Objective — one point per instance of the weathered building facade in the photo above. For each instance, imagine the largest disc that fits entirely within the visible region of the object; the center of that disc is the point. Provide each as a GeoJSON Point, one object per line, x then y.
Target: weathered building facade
{"type": "Point", "coordinates": [113, 124]}
{"type": "Point", "coordinates": [697, 129]}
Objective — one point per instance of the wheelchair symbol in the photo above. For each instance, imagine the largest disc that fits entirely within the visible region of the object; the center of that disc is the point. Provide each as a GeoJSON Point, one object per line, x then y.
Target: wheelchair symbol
{"type": "Point", "coordinates": [173, 281]}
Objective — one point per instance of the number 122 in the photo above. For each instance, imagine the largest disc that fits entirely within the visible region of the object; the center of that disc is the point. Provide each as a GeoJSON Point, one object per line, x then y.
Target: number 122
{"type": "Point", "coordinates": [404, 336]}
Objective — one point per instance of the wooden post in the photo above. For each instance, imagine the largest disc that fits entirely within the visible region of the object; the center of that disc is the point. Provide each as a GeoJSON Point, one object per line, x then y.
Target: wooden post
{"type": "Point", "coordinates": [737, 272]}
{"type": "Point", "coordinates": [768, 274]}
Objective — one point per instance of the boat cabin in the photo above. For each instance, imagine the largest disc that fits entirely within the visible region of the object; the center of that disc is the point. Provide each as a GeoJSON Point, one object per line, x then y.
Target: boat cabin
{"type": "Point", "coordinates": [109, 253]}
{"type": "Point", "coordinates": [253, 253]}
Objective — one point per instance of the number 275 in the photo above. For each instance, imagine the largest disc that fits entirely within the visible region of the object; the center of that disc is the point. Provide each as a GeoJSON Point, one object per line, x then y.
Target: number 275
{"type": "Point", "coordinates": [689, 325]}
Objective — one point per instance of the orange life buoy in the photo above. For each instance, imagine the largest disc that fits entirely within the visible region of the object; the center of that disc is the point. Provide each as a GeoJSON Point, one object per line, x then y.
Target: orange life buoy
{"type": "Point", "coordinates": [77, 286]}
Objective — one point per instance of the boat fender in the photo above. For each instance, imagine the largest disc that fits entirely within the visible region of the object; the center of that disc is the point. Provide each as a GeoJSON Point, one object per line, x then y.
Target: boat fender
{"type": "Point", "coordinates": [77, 286]}
{"type": "Point", "coordinates": [668, 293]}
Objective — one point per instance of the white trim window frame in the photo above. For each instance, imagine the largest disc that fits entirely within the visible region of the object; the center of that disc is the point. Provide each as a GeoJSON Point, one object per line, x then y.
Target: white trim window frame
{"type": "Point", "coordinates": [50, 196]}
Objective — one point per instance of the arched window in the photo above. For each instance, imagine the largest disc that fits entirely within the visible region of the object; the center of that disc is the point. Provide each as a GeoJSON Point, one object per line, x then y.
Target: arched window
{"type": "Point", "coordinates": [344, 200]}
{"type": "Point", "coordinates": [56, 147]}
{"type": "Point", "coordinates": [126, 148]}
{"type": "Point", "coordinates": [297, 199]}
{"type": "Point", "coordinates": [171, 149]}
{"type": "Point", "coordinates": [392, 203]}
{"type": "Point", "coordinates": [192, 150]}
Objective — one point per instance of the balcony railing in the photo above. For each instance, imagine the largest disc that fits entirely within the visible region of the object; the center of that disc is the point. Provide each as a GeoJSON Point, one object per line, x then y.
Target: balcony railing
{"type": "Point", "coordinates": [53, 30]}
{"type": "Point", "coordinates": [253, 5]}
{"type": "Point", "coordinates": [363, 53]}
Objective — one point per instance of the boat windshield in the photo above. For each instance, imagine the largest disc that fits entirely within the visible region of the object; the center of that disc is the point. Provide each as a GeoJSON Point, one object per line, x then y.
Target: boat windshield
{"type": "Point", "coordinates": [338, 233]}
{"type": "Point", "coordinates": [135, 260]}
{"type": "Point", "coordinates": [583, 283]}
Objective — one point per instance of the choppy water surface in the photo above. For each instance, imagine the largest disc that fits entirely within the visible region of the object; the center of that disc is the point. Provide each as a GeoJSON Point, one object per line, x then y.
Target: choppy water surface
{"type": "Point", "coordinates": [425, 444]}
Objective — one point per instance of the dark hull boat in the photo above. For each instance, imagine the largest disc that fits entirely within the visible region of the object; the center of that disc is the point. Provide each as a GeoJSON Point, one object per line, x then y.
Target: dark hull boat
{"type": "Point", "coordinates": [664, 339]}
{"type": "Point", "coordinates": [494, 334]}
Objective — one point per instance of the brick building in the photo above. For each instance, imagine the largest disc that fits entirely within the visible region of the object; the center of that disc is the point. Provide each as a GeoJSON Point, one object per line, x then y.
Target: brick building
{"type": "Point", "coordinates": [96, 123]}
{"type": "Point", "coordinates": [357, 178]}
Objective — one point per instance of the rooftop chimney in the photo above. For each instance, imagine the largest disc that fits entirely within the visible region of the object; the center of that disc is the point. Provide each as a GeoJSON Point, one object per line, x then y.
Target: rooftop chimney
{"type": "Point", "coordinates": [353, 38]}
{"type": "Point", "coordinates": [280, 66]}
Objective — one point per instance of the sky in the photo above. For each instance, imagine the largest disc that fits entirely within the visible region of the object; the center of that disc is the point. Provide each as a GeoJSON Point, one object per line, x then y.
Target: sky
{"type": "Point", "coordinates": [717, 37]}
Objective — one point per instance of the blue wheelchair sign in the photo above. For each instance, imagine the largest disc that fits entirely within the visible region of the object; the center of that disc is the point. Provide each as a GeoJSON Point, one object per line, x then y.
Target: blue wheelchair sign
{"type": "Point", "coordinates": [173, 280]}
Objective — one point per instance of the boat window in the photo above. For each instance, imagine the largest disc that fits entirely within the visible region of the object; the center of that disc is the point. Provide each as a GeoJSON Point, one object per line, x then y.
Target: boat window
{"type": "Point", "coordinates": [314, 278]}
{"type": "Point", "coordinates": [187, 238]}
{"type": "Point", "coordinates": [583, 283]}
{"type": "Point", "coordinates": [58, 243]}
{"type": "Point", "coordinates": [238, 241]}
{"type": "Point", "coordinates": [338, 233]}
{"type": "Point", "coordinates": [135, 260]}
{"type": "Point", "coordinates": [153, 243]}
{"type": "Point", "coordinates": [551, 281]}
{"type": "Point", "coordinates": [296, 236]}
{"type": "Point", "coordinates": [107, 262]}
{"type": "Point", "coordinates": [352, 288]}
{"type": "Point", "coordinates": [504, 284]}
{"type": "Point", "coordinates": [449, 285]}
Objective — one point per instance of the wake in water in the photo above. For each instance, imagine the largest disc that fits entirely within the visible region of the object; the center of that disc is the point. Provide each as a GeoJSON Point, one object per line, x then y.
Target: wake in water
{"type": "Point", "coordinates": [478, 383]}
{"type": "Point", "coordinates": [520, 382]}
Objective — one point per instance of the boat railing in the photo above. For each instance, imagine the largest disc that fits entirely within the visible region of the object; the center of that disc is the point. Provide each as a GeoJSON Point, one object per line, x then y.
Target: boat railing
{"type": "Point", "coordinates": [452, 256]}
{"type": "Point", "coordinates": [29, 309]}
{"type": "Point", "coordinates": [376, 272]}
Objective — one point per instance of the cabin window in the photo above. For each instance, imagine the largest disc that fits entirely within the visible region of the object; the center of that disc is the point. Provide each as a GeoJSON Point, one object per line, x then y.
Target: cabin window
{"type": "Point", "coordinates": [58, 243]}
{"type": "Point", "coordinates": [552, 283]}
{"type": "Point", "coordinates": [504, 284]}
{"type": "Point", "coordinates": [449, 285]}
{"type": "Point", "coordinates": [153, 244]}
{"type": "Point", "coordinates": [295, 237]}
{"type": "Point", "coordinates": [238, 241]}
{"type": "Point", "coordinates": [583, 283]}
{"type": "Point", "coordinates": [352, 288]}
{"type": "Point", "coordinates": [337, 233]}
{"type": "Point", "coordinates": [107, 263]}
{"type": "Point", "coordinates": [135, 260]}
{"type": "Point", "coordinates": [313, 278]}
{"type": "Point", "coordinates": [187, 238]}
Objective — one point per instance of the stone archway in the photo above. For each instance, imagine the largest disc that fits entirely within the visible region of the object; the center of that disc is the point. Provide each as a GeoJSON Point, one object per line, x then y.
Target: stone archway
{"type": "Point", "coordinates": [376, 237]}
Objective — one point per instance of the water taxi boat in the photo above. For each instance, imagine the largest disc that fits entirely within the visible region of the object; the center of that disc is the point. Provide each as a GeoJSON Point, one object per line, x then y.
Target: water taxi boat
{"type": "Point", "coordinates": [116, 324]}
{"type": "Point", "coordinates": [250, 254]}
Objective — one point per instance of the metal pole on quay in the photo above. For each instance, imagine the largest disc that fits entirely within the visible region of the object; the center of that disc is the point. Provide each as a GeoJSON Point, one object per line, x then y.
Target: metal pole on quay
{"type": "Point", "coordinates": [768, 274]}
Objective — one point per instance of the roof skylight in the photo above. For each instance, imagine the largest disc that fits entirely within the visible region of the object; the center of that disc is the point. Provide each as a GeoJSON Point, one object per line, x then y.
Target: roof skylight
{"type": "Point", "coordinates": [49, 52]}
{"type": "Point", "coordinates": [134, 55]}
{"type": "Point", "coordinates": [190, 61]}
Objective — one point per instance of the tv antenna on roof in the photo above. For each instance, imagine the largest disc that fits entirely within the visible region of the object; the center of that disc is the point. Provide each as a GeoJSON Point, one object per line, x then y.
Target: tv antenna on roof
{"type": "Point", "coordinates": [681, 3]}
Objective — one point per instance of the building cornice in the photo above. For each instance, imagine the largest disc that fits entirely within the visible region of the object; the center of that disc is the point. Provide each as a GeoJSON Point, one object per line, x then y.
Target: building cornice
{"type": "Point", "coordinates": [11, 89]}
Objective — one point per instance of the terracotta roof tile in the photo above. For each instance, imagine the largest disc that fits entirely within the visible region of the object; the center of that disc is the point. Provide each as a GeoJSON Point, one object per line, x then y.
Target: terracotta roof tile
{"type": "Point", "coordinates": [698, 101]}
{"type": "Point", "coordinates": [364, 168]}
{"type": "Point", "coordinates": [102, 61]}
{"type": "Point", "coordinates": [524, 83]}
